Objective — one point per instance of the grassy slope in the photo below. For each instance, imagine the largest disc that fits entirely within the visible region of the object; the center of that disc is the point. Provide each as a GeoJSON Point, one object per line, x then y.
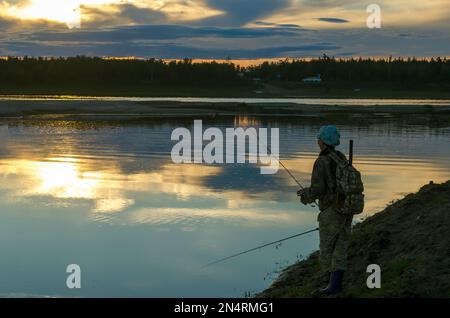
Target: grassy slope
{"type": "Point", "coordinates": [410, 240]}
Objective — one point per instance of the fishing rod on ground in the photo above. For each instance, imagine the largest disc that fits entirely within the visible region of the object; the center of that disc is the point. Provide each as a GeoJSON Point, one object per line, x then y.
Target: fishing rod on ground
{"type": "Point", "coordinates": [259, 247]}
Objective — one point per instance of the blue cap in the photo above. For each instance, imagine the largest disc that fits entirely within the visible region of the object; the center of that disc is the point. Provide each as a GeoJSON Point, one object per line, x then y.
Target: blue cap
{"type": "Point", "coordinates": [329, 135]}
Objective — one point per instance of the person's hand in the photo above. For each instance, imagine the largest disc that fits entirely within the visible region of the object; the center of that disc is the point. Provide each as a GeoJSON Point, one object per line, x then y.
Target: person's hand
{"type": "Point", "coordinates": [303, 199]}
{"type": "Point", "coordinates": [301, 193]}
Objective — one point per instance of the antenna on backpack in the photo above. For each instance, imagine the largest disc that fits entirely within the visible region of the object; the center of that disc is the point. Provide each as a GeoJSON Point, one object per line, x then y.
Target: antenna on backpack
{"type": "Point", "coordinates": [350, 158]}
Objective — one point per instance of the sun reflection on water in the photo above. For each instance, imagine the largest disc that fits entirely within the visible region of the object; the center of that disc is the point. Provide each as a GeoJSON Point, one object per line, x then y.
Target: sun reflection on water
{"type": "Point", "coordinates": [106, 185]}
{"type": "Point", "coordinates": [157, 196]}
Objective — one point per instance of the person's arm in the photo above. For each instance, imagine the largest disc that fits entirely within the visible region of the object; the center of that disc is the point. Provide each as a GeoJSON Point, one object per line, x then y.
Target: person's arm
{"type": "Point", "coordinates": [318, 183]}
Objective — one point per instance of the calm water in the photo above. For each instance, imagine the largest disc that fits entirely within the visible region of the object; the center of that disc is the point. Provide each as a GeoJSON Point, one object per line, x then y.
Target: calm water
{"type": "Point", "coordinates": [106, 196]}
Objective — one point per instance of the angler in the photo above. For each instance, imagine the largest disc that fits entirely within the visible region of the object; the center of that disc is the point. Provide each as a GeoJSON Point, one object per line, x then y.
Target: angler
{"type": "Point", "coordinates": [338, 187]}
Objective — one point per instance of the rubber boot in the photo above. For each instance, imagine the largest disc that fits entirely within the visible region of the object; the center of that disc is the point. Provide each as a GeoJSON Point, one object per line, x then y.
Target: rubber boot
{"type": "Point", "coordinates": [334, 286]}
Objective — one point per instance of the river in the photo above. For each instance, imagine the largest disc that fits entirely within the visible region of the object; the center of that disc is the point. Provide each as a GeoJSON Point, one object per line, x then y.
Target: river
{"type": "Point", "coordinates": [105, 194]}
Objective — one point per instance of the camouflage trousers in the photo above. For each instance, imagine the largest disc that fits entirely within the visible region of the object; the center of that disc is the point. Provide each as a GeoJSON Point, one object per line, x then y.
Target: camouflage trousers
{"type": "Point", "coordinates": [334, 232]}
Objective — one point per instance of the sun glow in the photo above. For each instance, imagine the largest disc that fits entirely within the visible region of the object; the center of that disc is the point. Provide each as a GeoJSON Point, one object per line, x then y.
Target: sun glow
{"type": "Point", "coordinates": [64, 180]}
{"type": "Point", "coordinates": [72, 14]}
{"type": "Point", "coordinates": [67, 11]}
{"type": "Point", "coordinates": [68, 178]}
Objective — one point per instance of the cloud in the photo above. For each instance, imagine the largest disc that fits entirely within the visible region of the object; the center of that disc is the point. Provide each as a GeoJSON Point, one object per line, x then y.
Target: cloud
{"type": "Point", "coordinates": [229, 13]}
{"type": "Point", "coordinates": [166, 41]}
{"type": "Point", "coordinates": [155, 32]}
{"type": "Point", "coordinates": [163, 50]}
{"type": "Point", "coordinates": [264, 23]}
{"type": "Point", "coordinates": [178, 41]}
{"type": "Point", "coordinates": [282, 25]}
{"type": "Point", "coordinates": [110, 12]}
{"type": "Point", "coordinates": [120, 14]}
{"type": "Point", "coordinates": [5, 24]}
{"type": "Point", "coordinates": [9, 26]}
{"type": "Point", "coordinates": [399, 13]}
{"type": "Point", "coordinates": [327, 3]}
{"type": "Point", "coordinates": [333, 20]}
{"type": "Point", "coordinates": [239, 12]}
{"type": "Point", "coordinates": [288, 25]}
{"type": "Point", "coordinates": [235, 28]}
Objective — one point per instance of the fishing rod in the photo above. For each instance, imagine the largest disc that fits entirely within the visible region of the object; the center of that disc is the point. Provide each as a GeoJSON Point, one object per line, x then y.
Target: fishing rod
{"type": "Point", "coordinates": [259, 247]}
{"type": "Point", "coordinates": [282, 164]}
{"type": "Point", "coordinates": [292, 176]}
{"type": "Point", "coordinates": [287, 170]}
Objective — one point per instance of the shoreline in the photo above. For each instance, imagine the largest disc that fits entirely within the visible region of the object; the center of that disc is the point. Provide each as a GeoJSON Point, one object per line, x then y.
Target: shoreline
{"type": "Point", "coordinates": [251, 99]}
{"type": "Point", "coordinates": [191, 107]}
{"type": "Point", "coordinates": [389, 239]}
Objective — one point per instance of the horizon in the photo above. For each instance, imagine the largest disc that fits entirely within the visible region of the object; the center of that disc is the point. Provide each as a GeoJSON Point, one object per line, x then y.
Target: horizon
{"type": "Point", "coordinates": [239, 62]}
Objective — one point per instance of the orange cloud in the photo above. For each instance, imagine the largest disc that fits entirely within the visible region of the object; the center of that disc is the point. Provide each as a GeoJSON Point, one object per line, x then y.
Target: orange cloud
{"type": "Point", "coordinates": [71, 13]}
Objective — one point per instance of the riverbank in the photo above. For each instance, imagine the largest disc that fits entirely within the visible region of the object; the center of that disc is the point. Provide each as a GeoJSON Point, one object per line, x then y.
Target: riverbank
{"type": "Point", "coordinates": [240, 89]}
{"type": "Point", "coordinates": [410, 240]}
{"type": "Point", "coordinates": [26, 106]}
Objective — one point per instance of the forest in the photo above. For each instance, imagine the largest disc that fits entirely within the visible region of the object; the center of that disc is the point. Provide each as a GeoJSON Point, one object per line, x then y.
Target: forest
{"type": "Point", "coordinates": [399, 70]}
{"type": "Point", "coordinates": [161, 77]}
{"type": "Point", "coordinates": [81, 69]}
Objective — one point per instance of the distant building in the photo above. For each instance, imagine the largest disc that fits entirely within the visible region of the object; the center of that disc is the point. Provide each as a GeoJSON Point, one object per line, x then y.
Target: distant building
{"type": "Point", "coordinates": [315, 79]}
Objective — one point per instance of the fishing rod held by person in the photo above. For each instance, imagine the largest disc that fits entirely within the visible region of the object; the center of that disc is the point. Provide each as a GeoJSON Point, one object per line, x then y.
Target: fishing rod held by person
{"type": "Point", "coordinates": [259, 247]}
{"type": "Point", "coordinates": [288, 171]}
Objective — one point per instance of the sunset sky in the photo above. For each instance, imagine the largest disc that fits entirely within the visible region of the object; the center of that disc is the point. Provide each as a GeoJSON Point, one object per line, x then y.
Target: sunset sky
{"type": "Point", "coordinates": [238, 29]}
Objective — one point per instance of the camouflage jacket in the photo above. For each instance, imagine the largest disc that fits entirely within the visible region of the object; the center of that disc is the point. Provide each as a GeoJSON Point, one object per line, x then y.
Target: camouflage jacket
{"type": "Point", "coordinates": [323, 181]}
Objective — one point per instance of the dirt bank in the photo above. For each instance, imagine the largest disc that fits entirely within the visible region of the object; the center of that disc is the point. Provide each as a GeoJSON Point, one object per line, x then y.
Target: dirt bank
{"type": "Point", "coordinates": [410, 240]}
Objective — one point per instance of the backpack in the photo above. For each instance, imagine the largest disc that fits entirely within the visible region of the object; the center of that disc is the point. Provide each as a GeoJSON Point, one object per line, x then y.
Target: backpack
{"type": "Point", "coordinates": [349, 186]}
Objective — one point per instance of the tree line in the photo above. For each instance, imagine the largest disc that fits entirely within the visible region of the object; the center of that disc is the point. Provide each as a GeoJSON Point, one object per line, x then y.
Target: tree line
{"type": "Point", "coordinates": [388, 70]}
{"type": "Point", "coordinates": [96, 70]}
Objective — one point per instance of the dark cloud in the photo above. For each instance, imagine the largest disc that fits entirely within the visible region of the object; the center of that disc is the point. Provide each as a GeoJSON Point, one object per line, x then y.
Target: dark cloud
{"type": "Point", "coordinates": [239, 12]}
{"type": "Point", "coordinates": [346, 54]}
{"type": "Point", "coordinates": [124, 14]}
{"type": "Point", "coordinates": [9, 26]}
{"type": "Point", "coordinates": [5, 24]}
{"type": "Point", "coordinates": [282, 25]}
{"type": "Point", "coordinates": [264, 23]}
{"type": "Point", "coordinates": [267, 40]}
{"type": "Point", "coordinates": [333, 20]}
{"type": "Point", "coordinates": [328, 3]}
{"type": "Point", "coordinates": [285, 25]}
{"type": "Point", "coordinates": [161, 41]}
{"type": "Point", "coordinates": [156, 32]}
{"type": "Point", "coordinates": [167, 50]}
